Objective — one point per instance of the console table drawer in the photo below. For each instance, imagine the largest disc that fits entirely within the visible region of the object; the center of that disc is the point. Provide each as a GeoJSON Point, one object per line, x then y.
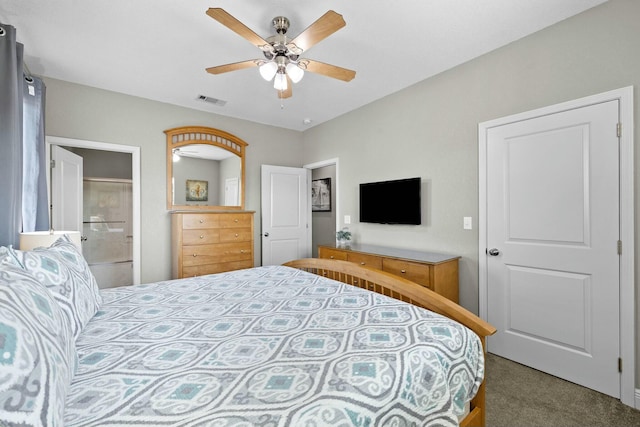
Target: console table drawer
{"type": "Point", "coordinates": [365, 259]}
{"type": "Point", "coordinates": [419, 273]}
{"type": "Point", "coordinates": [438, 272]}
{"type": "Point", "coordinates": [332, 254]}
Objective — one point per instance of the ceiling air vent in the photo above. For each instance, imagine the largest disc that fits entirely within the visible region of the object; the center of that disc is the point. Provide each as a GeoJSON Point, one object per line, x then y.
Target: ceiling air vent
{"type": "Point", "coordinates": [214, 101]}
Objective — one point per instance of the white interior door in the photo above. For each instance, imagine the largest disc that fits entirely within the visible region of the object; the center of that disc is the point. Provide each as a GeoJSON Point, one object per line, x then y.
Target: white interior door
{"type": "Point", "coordinates": [552, 236]}
{"type": "Point", "coordinates": [231, 192]}
{"type": "Point", "coordinates": [66, 190]}
{"type": "Point", "coordinates": [286, 212]}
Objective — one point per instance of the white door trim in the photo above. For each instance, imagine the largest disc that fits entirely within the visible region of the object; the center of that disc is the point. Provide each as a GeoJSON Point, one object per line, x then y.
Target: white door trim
{"type": "Point", "coordinates": [329, 162]}
{"type": "Point", "coordinates": [627, 265]}
{"type": "Point", "coordinates": [135, 186]}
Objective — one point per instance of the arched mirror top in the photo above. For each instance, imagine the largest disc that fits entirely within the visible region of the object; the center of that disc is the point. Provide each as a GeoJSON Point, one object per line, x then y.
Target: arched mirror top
{"type": "Point", "coordinates": [205, 169]}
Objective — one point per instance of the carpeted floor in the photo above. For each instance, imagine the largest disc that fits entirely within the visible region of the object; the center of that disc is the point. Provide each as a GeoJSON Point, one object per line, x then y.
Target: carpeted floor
{"type": "Point", "coordinates": [520, 396]}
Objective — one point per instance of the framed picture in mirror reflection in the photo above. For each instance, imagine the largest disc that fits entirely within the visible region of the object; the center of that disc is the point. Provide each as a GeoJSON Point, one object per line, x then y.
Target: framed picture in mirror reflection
{"type": "Point", "coordinates": [197, 190]}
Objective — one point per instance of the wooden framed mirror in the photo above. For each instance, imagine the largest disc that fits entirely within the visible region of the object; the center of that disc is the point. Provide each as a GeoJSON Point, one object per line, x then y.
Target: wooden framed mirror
{"type": "Point", "coordinates": [205, 169]}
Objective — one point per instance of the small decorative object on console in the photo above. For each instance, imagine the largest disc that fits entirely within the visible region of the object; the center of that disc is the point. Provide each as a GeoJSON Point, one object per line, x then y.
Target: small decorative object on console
{"type": "Point", "coordinates": [343, 237]}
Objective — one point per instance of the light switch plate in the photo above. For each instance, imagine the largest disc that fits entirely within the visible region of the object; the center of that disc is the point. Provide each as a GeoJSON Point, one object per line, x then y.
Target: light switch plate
{"type": "Point", "coordinates": [467, 223]}
{"type": "Point", "coordinates": [347, 219]}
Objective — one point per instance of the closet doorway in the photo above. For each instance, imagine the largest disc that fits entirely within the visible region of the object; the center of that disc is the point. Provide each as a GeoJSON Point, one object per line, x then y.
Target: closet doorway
{"type": "Point", "coordinates": [111, 209]}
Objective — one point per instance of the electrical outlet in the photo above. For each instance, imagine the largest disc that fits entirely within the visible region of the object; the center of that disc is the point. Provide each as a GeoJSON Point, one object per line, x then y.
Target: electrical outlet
{"type": "Point", "coordinates": [347, 219]}
{"type": "Point", "coordinates": [467, 221]}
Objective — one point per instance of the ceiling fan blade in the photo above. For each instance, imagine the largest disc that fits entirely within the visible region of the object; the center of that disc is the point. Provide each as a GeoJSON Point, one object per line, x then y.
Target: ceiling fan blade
{"type": "Point", "coordinates": [233, 67]}
{"type": "Point", "coordinates": [288, 92]}
{"type": "Point", "coordinates": [223, 17]}
{"type": "Point", "coordinates": [324, 26]}
{"type": "Point", "coordinates": [328, 70]}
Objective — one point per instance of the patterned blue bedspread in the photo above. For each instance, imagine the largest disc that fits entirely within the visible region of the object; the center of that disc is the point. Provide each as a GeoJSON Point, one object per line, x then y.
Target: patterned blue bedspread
{"type": "Point", "coordinates": [269, 346]}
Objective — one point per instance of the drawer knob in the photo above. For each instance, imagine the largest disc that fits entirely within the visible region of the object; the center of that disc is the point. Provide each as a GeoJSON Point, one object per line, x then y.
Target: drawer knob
{"type": "Point", "coordinates": [201, 221]}
{"type": "Point", "coordinates": [331, 257]}
{"type": "Point", "coordinates": [403, 271]}
{"type": "Point", "coordinates": [202, 236]}
{"type": "Point", "coordinates": [236, 234]}
{"type": "Point", "coordinates": [241, 251]}
{"type": "Point", "coordinates": [362, 263]}
{"type": "Point", "coordinates": [195, 255]}
{"type": "Point", "coordinates": [235, 220]}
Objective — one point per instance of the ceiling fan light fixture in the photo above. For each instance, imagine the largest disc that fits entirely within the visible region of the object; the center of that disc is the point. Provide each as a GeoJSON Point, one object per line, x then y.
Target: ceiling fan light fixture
{"type": "Point", "coordinates": [280, 82]}
{"type": "Point", "coordinates": [268, 70]}
{"type": "Point", "coordinates": [294, 72]}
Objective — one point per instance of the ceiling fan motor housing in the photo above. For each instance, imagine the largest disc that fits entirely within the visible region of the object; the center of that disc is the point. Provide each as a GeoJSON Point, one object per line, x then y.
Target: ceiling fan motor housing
{"type": "Point", "coordinates": [281, 24]}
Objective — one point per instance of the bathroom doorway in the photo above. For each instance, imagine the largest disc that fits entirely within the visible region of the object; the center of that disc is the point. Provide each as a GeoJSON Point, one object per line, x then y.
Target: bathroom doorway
{"type": "Point", "coordinates": [110, 210]}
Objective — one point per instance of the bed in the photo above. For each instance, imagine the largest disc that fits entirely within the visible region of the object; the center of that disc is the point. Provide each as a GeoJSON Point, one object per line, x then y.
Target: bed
{"type": "Point", "coordinates": [299, 344]}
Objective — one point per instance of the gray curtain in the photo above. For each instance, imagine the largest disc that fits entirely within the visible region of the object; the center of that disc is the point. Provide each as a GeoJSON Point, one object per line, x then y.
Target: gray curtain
{"type": "Point", "coordinates": [35, 212]}
{"type": "Point", "coordinates": [10, 136]}
{"type": "Point", "coordinates": [21, 153]}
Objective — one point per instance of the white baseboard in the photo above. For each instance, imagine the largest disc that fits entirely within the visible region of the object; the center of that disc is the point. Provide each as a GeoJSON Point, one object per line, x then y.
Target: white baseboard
{"type": "Point", "coordinates": [638, 398]}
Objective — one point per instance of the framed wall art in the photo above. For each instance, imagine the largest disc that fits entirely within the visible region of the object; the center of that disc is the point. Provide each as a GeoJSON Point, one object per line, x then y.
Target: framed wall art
{"type": "Point", "coordinates": [321, 195]}
{"type": "Point", "coordinates": [197, 191]}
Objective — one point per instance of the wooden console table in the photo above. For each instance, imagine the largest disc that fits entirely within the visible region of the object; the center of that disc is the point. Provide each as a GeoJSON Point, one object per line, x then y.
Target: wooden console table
{"type": "Point", "coordinates": [438, 272]}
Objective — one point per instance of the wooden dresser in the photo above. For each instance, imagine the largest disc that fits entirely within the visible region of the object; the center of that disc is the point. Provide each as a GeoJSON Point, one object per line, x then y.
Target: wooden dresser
{"type": "Point", "coordinates": [438, 272]}
{"type": "Point", "coordinates": [210, 242]}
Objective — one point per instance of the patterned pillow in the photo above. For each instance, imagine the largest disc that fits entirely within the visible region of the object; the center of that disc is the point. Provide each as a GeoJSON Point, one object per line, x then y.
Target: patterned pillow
{"type": "Point", "coordinates": [37, 355]}
{"type": "Point", "coordinates": [64, 271]}
{"type": "Point", "coordinates": [6, 257]}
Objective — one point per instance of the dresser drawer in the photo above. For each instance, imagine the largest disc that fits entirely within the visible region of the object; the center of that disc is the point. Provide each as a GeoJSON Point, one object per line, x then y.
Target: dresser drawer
{"type": "Point", "coordinates": [331, 254]}
{"type": "Point", "coordinates": [235, 234]}
{"type": "Point", "coordinates": [211, 254]}
{"type": "Point", "coordinates": [365, 259]}
{"type": "Point", "coordinates": [200, 270]}
{"type": "Point", "coordinates": [419, 273]}
{"type": "Point", "coordinates": [191, 221]}
{"type": "Point", "coordinates": [204, 236]}
{"type": "Point", "coordinates": [235, 220]}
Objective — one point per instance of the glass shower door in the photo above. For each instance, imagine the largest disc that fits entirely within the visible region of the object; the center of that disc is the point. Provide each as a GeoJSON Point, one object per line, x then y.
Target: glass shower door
{"type": "Point", "coordinates": [107, 230]}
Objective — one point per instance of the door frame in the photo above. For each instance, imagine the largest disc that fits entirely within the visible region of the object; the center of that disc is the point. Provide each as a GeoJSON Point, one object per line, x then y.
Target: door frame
{"type": "Point", "coordinates": [627, 265]}
{"type": "Point", "coordinates": [135, 183]}
{"type": "Point", "coordinates": [316, 165]}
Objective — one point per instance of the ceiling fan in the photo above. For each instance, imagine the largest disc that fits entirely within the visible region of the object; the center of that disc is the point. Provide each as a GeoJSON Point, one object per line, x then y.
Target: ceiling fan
{"type": "Point", "coordinates": [282, 62]}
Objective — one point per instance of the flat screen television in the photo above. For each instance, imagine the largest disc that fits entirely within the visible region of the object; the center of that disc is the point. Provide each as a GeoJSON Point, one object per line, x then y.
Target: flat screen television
{"type": "Point", "coordinates": [391, 202]}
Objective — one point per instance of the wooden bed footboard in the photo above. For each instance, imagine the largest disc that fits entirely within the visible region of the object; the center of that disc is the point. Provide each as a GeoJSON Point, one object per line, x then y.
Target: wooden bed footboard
{"type": "Point", "coordinates": [400, 288]}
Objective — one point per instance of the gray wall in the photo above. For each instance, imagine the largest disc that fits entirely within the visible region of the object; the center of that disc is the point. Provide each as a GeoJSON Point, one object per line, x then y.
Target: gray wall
{"type": "Point", "coordinates": [82, 112]}
{"type": "Point", "coordinates": [430, 129]}
{"type": "Point", "coordinates": [104, 164]}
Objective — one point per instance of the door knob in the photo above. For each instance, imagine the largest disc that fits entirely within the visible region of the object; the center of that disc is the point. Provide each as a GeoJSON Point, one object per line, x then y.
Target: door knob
{"type": "Point", "coordinates": [493, 252]}
{"type": "Point", "coordinates": [266, 234]}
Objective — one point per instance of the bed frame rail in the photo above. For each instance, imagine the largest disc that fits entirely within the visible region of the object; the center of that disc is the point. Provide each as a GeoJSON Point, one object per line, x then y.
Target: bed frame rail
{"type": "Point", "coordinates": [400, 288]}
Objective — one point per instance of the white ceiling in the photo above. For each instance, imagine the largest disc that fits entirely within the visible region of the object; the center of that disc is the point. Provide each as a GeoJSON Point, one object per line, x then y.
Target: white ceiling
{"type": "Point", "coordinates": [159, 49]}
